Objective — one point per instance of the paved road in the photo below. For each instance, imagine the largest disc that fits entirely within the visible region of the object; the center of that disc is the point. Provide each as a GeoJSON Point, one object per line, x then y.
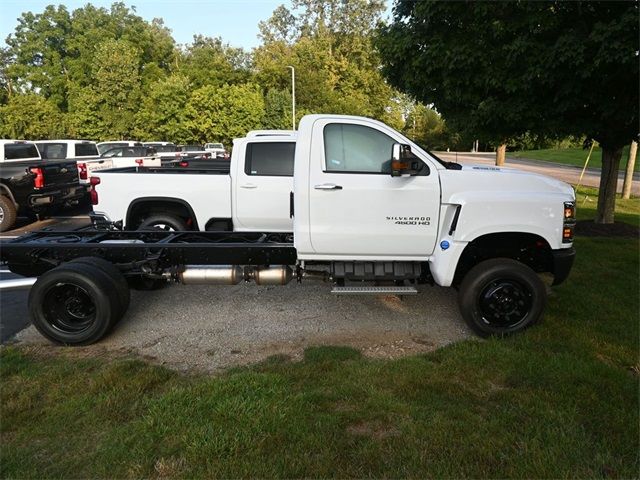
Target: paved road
{"type": "Point", "coordinates": [14, 315]}
{"type": "Point", "coordinates": [566, 173]}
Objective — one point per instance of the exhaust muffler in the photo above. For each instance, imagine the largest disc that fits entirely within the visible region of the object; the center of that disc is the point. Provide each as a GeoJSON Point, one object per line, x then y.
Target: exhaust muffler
{"type": "Point", "coordinates": [211, 275]}
{"type": "Point", "coordinates": [234, 274]}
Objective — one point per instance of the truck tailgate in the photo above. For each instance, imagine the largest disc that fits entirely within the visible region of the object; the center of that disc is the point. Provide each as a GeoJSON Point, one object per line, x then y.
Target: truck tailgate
{"type": "Point", "coordinates": [94, 166]}
{"type": "Point", "coordinates": [59, 173]}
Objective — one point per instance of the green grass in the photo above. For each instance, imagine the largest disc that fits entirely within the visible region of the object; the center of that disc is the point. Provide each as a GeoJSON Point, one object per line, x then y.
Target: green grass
{"type": "Point", "coordinates": [572, 156]}
{"type": "Point", "coordinates": [627, 210]}
{"type": "Point", "coordinates": [560, 400]}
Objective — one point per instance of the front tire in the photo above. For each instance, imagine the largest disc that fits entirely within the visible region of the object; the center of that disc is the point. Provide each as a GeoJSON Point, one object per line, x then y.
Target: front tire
{"type": "Point", "coordinates": [500, 297]}
{"type": "Point", "coordinates": [74, 304]}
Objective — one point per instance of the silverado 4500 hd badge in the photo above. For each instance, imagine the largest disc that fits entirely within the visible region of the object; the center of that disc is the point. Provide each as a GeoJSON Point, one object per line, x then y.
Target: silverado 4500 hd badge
{"type": "Point", "coordinates": [410, 220]}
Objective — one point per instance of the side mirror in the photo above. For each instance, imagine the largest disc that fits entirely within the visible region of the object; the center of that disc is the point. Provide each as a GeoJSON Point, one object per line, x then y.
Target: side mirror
{"type": "Point", "coordinates": [403, 161]}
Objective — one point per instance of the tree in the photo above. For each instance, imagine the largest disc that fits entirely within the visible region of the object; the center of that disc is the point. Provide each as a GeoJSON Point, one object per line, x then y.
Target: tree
{"type": "Point", "coordinates": [329, 44]}
{"type": "Point", "coordinates": [52, 53]}
{"type": "Point", "coordinates": [224, 113]}
{"type": "Point", "coordinates": [30, 116]}
{"type": "Point", "coordinates": [209, 61]}
{"type": "Point", "coordinates": [162, 115]}
{"type": "Point", "coordinates": [425, 126]}
{"type": "Point", "coordinates": [117, 86]}
{"type": "Point", "coordinates": [84, 118]}
{"type": "Point", "coordinates": [277, 110]}
{"type": "Point", "coordinates": [501, 69]}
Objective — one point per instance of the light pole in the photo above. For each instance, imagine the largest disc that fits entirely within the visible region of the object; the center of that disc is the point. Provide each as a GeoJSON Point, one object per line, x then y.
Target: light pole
{"type": "Point", "coordinates": [293, 96]}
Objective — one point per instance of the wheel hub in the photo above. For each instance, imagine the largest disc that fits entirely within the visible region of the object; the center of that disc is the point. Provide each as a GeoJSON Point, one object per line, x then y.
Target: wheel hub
{"type": "Point", "coordinates": [69, 308]}
{"type": "Point", "coordinates": [505, 303]}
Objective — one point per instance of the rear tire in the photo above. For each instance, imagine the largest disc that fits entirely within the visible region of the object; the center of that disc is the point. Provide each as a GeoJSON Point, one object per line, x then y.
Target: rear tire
{"type": "Point", "coordinates": [8, 213]}
{"type": "Point", "coordinates": [500, 297]}
{"type": "Point", "coordinates": [74, 304]}
{"type": "Point", "coordinates": [163, 221]}
{"type": "Point", "coordinates": [115, 276]}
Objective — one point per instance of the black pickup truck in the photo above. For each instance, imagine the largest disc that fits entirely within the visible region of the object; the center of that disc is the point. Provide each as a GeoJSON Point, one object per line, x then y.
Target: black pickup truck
{"type": "Point", "coordinates": [31, 186]}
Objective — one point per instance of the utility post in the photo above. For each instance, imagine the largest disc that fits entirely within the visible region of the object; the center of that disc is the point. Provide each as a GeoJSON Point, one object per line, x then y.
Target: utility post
{"type": "Point", "coordinates": [293, 97]}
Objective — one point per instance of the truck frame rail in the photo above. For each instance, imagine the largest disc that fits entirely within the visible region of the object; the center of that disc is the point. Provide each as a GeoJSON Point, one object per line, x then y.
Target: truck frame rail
{"type": "Point", "coordinates": [35, 253]}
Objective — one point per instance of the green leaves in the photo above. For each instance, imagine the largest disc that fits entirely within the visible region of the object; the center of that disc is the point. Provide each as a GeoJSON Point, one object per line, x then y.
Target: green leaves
{"type": "Point", "coordinates": [501, 69]}
{"type": "Point", "coordinates": [30, 117]}
{"type": "Point", "coordinates": [224, 113]}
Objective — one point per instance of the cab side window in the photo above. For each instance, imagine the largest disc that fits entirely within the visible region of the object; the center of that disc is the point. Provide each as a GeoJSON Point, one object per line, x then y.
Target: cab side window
{"type": "Point", "coordinates": [350, 148]}
{"type": "Point", "coordinates": [270, 159]}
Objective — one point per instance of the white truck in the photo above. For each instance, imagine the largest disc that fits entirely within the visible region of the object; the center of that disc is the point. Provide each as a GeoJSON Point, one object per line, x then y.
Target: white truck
{"type": "Point", "coordinates": [217, 150]}
{"type": "Point", "coordinates": [369, 211]}
{"type": "Point", "coordinates": [250, 193]}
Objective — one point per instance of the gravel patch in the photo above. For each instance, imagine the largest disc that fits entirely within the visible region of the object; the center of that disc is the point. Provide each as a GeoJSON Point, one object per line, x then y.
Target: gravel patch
{"type": "Point", "coordinates": [213, 328]}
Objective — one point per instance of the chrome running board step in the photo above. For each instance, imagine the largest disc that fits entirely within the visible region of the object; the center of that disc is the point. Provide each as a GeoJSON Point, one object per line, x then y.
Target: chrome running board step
{"type": "Point", "coordinates": [374, 290]}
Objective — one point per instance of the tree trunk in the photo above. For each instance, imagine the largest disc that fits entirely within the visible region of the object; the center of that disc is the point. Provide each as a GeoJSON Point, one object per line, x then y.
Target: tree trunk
{"type": "Point", "coordinates": [608, 184]}
{"type": "Point", "coordinates": [628, 175]}
{"type": "Point", "coordinates": [501, 153]}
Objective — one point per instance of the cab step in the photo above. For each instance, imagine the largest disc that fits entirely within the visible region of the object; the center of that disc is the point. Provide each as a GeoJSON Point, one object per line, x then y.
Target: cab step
{"type": "Point", "coordinates": [374, 291]}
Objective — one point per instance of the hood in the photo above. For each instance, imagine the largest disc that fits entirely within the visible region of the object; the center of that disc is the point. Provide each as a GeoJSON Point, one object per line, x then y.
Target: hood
{"type": "Point", "coordinates": [484, 178]}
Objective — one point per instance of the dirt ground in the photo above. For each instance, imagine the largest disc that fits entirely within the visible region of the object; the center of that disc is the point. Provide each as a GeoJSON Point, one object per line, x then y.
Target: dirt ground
{"type": "Point", "coordinates": [213, 328]}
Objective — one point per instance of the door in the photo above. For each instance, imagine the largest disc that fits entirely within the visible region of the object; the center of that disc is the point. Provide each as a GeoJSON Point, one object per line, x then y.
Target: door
{"type": "Point", "coordinates": [263, 185]}
{"type": "Point", "coordinates": [356, 207]}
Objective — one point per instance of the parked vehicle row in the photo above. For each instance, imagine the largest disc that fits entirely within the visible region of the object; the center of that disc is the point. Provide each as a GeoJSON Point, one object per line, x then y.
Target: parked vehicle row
{"type": "Point", "coordinates": [89, 157]}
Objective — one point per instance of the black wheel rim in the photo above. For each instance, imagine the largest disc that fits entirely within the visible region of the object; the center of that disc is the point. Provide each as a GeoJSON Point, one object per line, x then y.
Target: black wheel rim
{"type": "Point", "coordinates": [69, 308]}
{"type": "Point", "coordinates": [505, 303]}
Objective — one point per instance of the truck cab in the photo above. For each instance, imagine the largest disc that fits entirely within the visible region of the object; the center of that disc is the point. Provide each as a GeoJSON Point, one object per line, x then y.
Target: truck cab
{"type": "Point", "coordinates": [355, 200]}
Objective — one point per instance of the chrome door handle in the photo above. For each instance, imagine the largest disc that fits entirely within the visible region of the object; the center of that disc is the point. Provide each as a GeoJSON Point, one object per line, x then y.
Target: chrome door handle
{"type": "Point", "coordinates": [248, 185]}
{"type": "Point", "coordinates": [328, 186]}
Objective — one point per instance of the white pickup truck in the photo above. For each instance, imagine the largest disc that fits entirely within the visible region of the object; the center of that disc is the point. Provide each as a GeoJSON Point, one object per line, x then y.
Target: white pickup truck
{"type": "Point", "coordinates": [249, 193]}
{"type": "Point", "coordinates": [366, 210]}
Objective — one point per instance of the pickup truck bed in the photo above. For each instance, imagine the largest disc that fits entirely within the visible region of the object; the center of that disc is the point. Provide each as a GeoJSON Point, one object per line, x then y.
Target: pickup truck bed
{"type": "Point", "coordinates": [200, 190]}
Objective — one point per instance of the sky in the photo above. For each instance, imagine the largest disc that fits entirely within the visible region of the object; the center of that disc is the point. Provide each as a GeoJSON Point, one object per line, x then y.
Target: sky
{"type": "Point", "coordinates": [236, 21]}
